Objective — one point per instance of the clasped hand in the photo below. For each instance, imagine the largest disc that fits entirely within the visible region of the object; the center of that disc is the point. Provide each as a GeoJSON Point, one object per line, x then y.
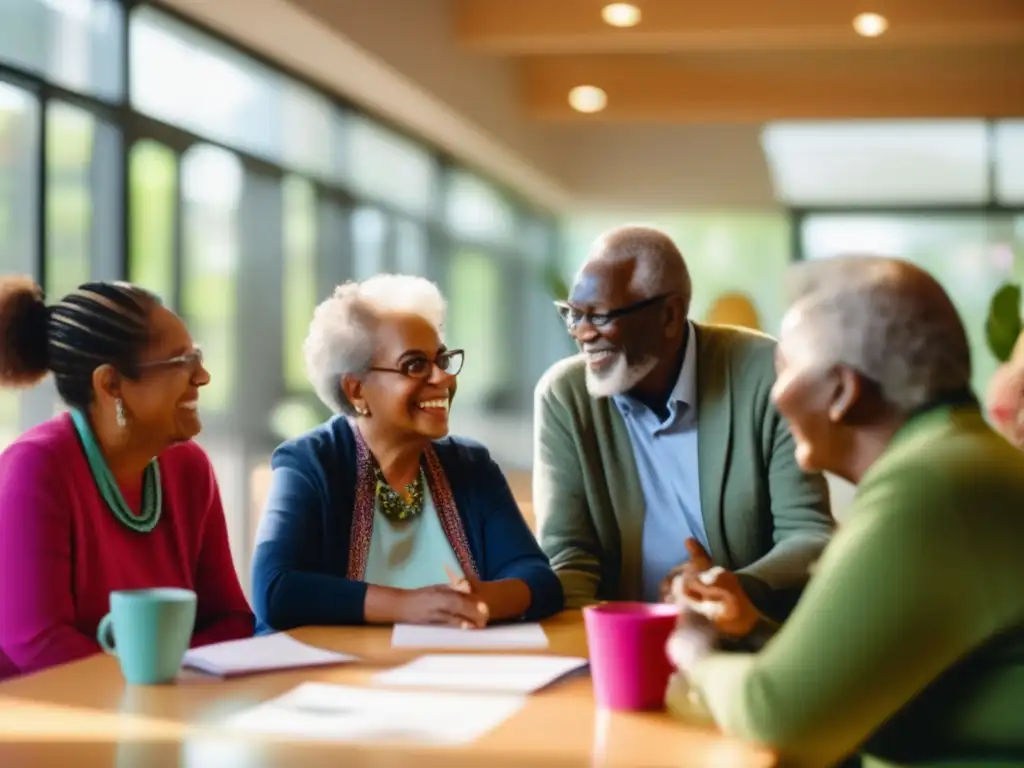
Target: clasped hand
{"type": "Point", "coordinates": [713, 592]}
{"type": "Point", "coordinates": [446, 605]}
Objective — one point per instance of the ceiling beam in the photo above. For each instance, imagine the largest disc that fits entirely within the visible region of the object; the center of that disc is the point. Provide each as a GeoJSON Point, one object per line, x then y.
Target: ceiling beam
{"type": "Point", "coordinates": [575, 26]}
{"type": "Point", "coordinates": [692, 89]}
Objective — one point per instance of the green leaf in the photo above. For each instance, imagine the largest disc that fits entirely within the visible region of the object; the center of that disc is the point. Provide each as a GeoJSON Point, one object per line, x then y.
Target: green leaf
{"type": "Point", "coordinates": [1004, 325]}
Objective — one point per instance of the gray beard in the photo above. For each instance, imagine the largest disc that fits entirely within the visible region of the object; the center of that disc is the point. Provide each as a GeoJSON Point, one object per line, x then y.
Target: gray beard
{"type": "Point", "coordinates": [620, 378]}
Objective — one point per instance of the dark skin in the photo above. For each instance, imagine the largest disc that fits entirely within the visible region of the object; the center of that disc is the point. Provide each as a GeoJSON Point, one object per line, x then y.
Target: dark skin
{"type": "Point", "coordinates": [398, 429]}
{"type": "Point", "coordinates": [608, 281]}
{"type": "Point", "coordinates": [159, 404]}
{"type": "Point", "coordinates": [841, 424]}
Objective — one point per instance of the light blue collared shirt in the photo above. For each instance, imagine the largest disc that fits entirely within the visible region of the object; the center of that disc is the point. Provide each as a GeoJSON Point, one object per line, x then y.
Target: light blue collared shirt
{"type": "Point", "coordinates": [666, 459]}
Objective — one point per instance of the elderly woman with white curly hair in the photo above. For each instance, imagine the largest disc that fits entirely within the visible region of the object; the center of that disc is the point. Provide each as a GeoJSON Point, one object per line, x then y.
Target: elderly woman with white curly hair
{"type": "Point", "coordinates": [908, 643]}
{"type": "Point", "coordinates": [377, 516]}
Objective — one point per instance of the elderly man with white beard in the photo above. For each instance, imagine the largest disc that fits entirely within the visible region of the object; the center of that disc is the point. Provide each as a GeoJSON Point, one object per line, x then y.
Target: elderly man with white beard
{"type": "Point", "coordinates": [657, 449]}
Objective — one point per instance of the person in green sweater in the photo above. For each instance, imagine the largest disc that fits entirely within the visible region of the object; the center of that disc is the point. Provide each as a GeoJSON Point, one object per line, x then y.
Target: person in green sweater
{"type": "Point", "coordinates": [657, 446]}
{"type": "Point", "coordinates": [908, 644]}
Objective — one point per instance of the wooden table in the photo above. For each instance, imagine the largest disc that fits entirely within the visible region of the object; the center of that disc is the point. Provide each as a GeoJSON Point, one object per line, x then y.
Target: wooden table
{"type": "Point", "coordinates": [84, 716]}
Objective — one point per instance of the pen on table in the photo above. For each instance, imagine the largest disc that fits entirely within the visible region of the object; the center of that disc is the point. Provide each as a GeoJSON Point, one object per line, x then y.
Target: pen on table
{"type": "Point", "coordinates": [461, 584]}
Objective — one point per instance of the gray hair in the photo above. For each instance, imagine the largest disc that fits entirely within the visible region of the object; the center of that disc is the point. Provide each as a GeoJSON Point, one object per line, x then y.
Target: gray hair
{"type": "Point", "coordinates": [660, 266]}
{"type": "Point", "coordinates": [342, 334]}
{"type": "Point", "coordinates": [885, 318]}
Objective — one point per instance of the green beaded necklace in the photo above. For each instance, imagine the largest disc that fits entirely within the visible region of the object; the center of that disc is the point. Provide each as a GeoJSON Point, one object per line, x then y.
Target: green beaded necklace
{"type": "Point", "coordinates": [152, 494]}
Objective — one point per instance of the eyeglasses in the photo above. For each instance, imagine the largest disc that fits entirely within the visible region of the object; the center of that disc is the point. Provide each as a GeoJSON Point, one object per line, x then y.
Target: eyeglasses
{"type": "Point", "coordinates": [192, 360]}
{"type": "Point", "coordinates": [573, 317]}
{"type": "Point", "coordinates": [421, 367]}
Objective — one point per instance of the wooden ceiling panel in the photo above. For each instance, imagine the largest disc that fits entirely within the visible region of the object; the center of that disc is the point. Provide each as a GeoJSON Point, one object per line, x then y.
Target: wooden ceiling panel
{"type": "Point", "coordinates": [717, 89]}
{"type": "Point", "coordinates": [526, 27]}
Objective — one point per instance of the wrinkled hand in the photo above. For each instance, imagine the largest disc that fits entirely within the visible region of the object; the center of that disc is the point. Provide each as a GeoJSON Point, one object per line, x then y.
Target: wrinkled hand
{"type": "Point", "coordinates": [444, 605]}
{"type": "Point", "coordinates": [699, 562]}
{"type": "Point", "coordinates": [699, 582]}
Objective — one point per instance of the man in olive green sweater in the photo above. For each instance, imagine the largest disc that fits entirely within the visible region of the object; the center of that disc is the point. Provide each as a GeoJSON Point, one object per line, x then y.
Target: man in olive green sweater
{"type": "Point", "coordinates": [908, 643]}
{"type": "Point", "coordinates": [660, 432]}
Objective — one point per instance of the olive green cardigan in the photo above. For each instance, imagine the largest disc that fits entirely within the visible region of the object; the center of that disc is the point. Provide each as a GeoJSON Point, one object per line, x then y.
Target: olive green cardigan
{"type": "Point", "coordinates": [765, 518]}
{"type": "Point", "coordinates": [909, 640]}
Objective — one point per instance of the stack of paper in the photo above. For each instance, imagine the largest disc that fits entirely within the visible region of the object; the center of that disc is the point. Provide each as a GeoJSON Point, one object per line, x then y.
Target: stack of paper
{"type": "Point", "coordinates": [504, 637]}
{"type": "Point", "coordinates": [482, 672]}
{"type": "Point", "coordinates": [260, 654]}
{"type": "Point", "coordinates": [320, 711]}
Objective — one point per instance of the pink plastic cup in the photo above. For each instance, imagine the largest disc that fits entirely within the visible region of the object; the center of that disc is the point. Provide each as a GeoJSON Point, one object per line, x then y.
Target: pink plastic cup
{"type": "Point", "coordinates": [628, 661]}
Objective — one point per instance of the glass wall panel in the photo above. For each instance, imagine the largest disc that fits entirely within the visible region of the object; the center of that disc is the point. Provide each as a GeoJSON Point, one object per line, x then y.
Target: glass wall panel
{"type": "Point", "coordinates": [188, 79]}
{"type": "Point", "coordinates": [73, 43]}
{"type": "Point", "coordinates": [385, 166]}
{"type": "Point", "coordinates": [476, 211]}
{"type": "Point", "coordinates": [211, 181]}
{"type": "Point", "coordinates": [19, 151]}
{"type": "Point", "coordinates": [1009, 162]}
{"type": "Point", "coordinates": [475, 318]}
{"type": "Point", "coordinates": [70, 137]}
{"type": "Point", "coordinates": [970, 255]}
{"type": "Point", "coordinates": [369, 242]}
{"type": "Point", "coordinates": [412, 248]}
{"type": "Point", "coordinates": [300, 275]}
{"type": "Point", "coordinates": [152, 228]}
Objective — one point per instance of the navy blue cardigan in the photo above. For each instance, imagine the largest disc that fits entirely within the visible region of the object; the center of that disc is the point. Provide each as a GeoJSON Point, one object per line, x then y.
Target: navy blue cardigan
{"type": "Point", "coordinates": [301, 559]}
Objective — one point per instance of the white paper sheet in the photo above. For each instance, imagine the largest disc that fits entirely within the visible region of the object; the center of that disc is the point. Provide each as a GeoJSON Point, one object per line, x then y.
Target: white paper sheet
{"type": "Point", "coordinates": [481, 672]}
{"type": "Point", "coordinates": [260, 654]}
{"type": "Point", "coordinates": [341, 713]}
{"type": "Point", "coordinates": [502, 637]}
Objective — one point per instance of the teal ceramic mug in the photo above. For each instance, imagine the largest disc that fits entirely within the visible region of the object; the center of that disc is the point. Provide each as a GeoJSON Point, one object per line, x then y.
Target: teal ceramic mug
{"type": "Point", "coordinates": [149, 631]}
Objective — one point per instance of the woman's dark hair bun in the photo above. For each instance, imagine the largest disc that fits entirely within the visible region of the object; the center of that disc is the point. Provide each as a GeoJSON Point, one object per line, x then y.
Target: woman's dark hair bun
{"type": "Point", "coordinates": [24, 326]}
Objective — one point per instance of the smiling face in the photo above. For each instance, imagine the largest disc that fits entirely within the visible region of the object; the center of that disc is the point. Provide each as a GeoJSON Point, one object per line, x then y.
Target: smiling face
{"type": "Point", "coordinates": [816, 401]}
{"type": "Point", "coordinates": [622, 351]}
{"type": "Point", "coordinates": [394, 391]}
{"type": "Point", "coordinates": [163, 400]}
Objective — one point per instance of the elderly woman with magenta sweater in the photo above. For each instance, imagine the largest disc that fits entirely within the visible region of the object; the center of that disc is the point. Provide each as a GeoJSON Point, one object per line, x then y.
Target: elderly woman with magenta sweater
{"type": "Point", "coordinates": [113, 495]}
{"type": "Point", "coordinates": [377, 516]}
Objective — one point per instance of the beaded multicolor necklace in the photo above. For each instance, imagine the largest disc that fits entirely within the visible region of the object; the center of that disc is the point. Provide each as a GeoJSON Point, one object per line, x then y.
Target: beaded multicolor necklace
{"type": "Point", "coordinates": [152, 494]}
{"type": "Point", "coordinates": [393, 505]}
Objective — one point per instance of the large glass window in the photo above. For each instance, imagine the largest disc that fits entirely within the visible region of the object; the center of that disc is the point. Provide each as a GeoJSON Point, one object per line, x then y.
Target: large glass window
{"type": "Point", "coordinates": [412, 248]}
{"type": "Point", "coordinates": [70, 137]}
{"type": "Point", "coordinates": [476, 211]}
{"type": "Point", "coordinates": [970, 255]}
{"type": "Point", "coordinates": [74, 43]}
{"type": "Point", "coordinates": [369, 242]}
{"type": "Point", "coordinates": [1009, 161]}
{"type": "Point", "coordinates": [186, 78]}
{"type": "Point", "coordinates": [300, 284]}
{"type": "Point", "coordinates": [211, 181]}
{"type": "Point", "coordinates": [153, 201]}
{"type": "Point", "coordinates": [19, 151]}
{"type": "Point", "coordinates": [385, 166]}
{"type": "Point", "coordinates": [475, 324]}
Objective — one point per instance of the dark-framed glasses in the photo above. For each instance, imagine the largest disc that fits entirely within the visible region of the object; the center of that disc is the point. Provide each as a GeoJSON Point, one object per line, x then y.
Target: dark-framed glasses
{"type": "Point", "coordinates": [420, 367]}
{"type": "Point", "coordinates": [192, 360]}
{"type": "Point", "coordinates": [573, 317]}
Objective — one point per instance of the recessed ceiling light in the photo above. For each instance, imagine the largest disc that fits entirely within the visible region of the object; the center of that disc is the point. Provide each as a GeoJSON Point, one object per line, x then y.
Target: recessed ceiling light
{"type": "Point", "coordinates": [588, 99]}
{"type": "Point", "coordinates": [621, 15]}
{"type": "Point", "coordinates": [870, 24]}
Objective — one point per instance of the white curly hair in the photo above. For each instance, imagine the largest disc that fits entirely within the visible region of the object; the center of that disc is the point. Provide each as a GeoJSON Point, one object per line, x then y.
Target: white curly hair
{"type": "Point", "coordinates": [887, 319]}
{"type": "Point", "coordinates": [342, 334]}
